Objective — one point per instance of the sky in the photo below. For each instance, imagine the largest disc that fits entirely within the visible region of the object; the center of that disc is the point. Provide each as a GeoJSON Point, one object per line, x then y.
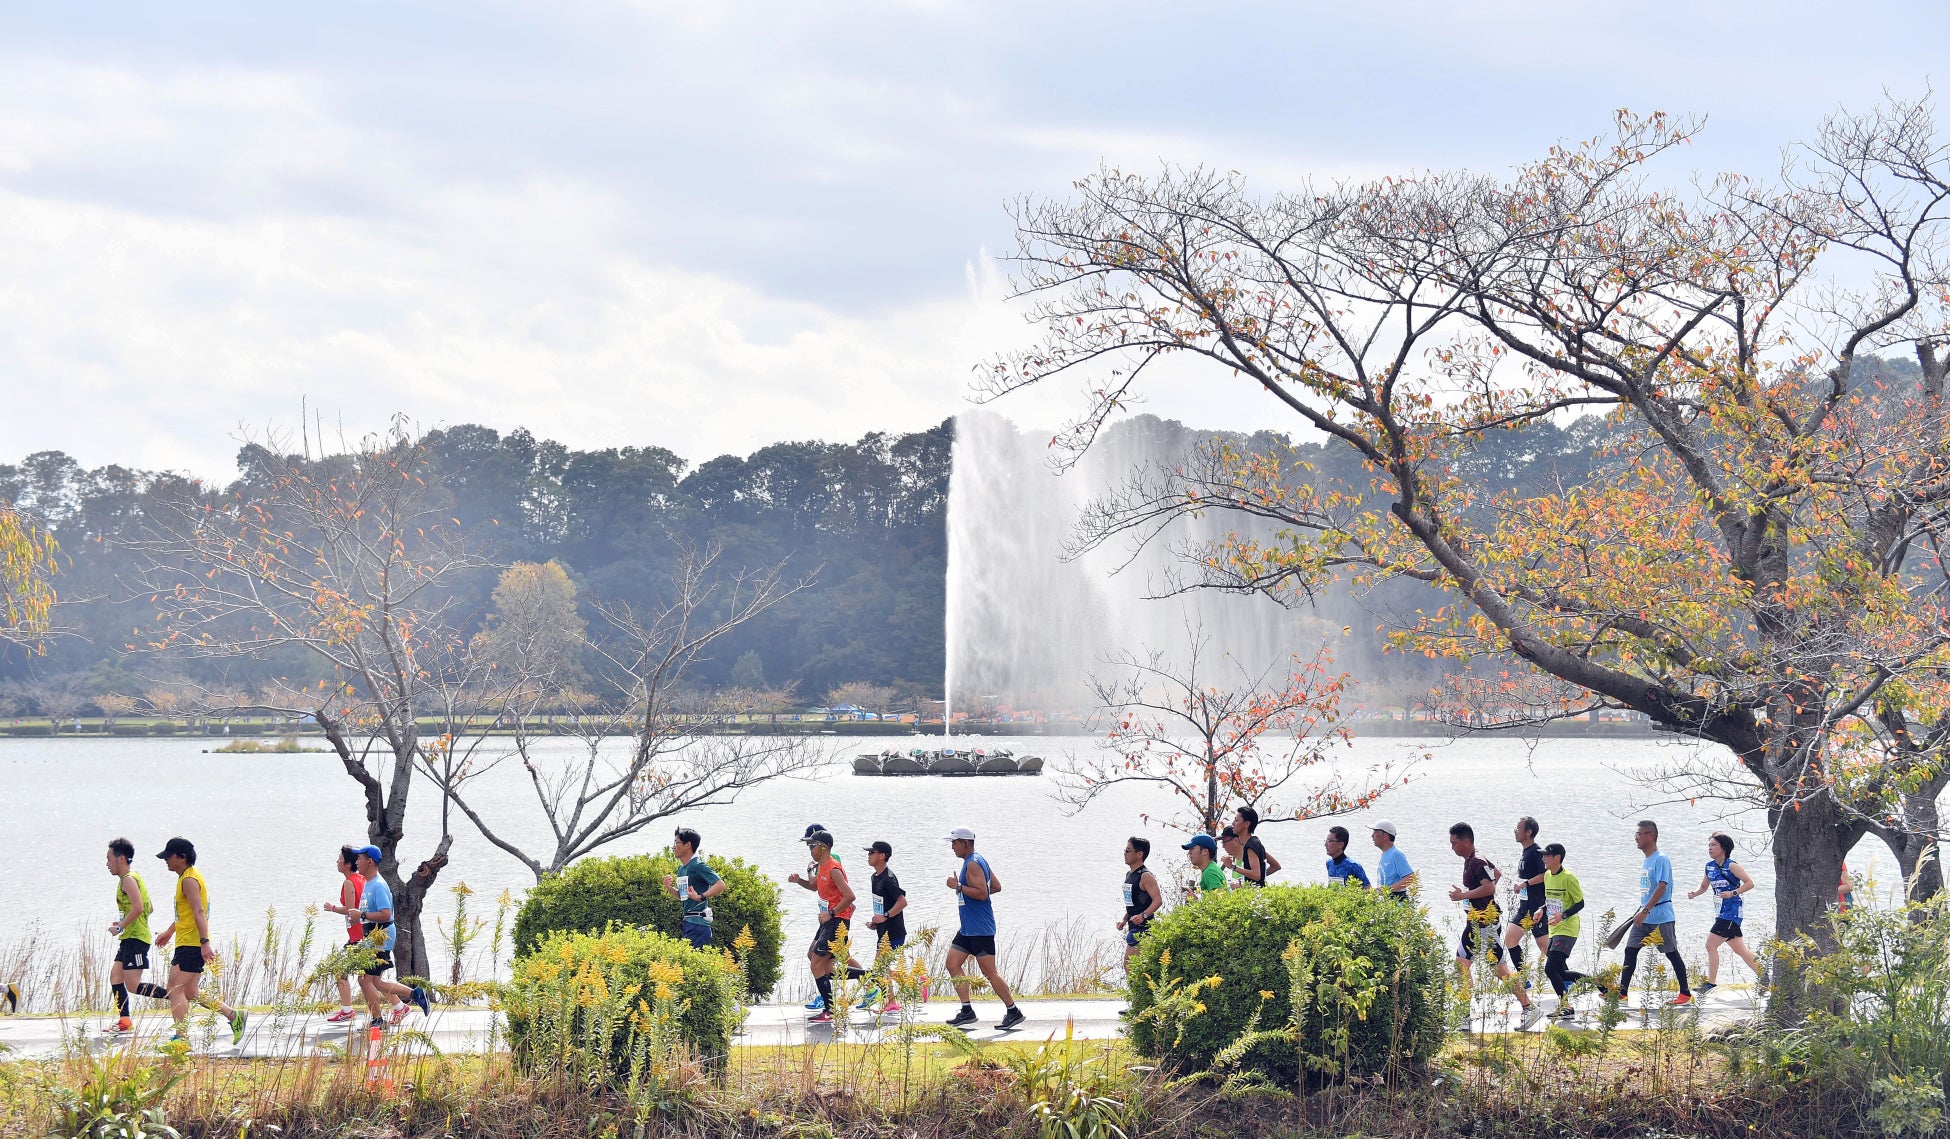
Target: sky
{"type": "Point", "coordinates": [711, 226]}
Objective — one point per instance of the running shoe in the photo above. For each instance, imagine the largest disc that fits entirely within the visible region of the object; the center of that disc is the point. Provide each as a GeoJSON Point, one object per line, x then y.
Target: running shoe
{"type": "Point", "coordinates": [1011, 1018]}
{"type": "Point", "coordinates": [1564, 1012]}
{"type": "Point", "coordinates": [237, 1023]}
{"type": "Point", "coordinates": [1530, 1017]}
{"type": "Point", "coordinates": [963, 1019]}
{"type": "Point", "coordinates": [399, 1012]}
{"type": "Point", "coordinates": [1680, 1001]}
{"type": "Point", "coordinates": [13, 998]}
{"type": "Point", "coordinates": [866, 1002]}
{"type": "Point", "coordinates": [892, 1007]}
{"type": "Point", "coordinates": [1703, 988]}
{"type": "Point", "coordinates": [816, 1004]}
{"type": "Point", "coordinates": [820, 1017]}
{"type": "Point", "coordinates": [420, 998]}
{"type": "Point", "coordinates": [124, 1025]}
{"type": "Point", "coordinates": [342, 1016]}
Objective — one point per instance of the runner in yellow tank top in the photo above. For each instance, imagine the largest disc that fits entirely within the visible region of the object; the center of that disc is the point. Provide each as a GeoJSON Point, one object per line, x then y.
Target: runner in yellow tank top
{"type": "Point", "coordinates": [193, 946]}
{"type": "Point", "coordinates": [132, 909]}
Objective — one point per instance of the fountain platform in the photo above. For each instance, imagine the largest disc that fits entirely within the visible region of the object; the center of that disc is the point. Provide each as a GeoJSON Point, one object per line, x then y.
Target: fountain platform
{"type": "Point", "coordinates": [947, 761]}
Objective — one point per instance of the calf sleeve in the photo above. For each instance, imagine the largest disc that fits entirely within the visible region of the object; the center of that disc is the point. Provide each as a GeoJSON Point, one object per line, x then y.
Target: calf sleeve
{"type": "Point", "coordinates": [1516, 957]}
{"type": "Point", "coordinates": [854, 973]}
{"type": "Point", "coordinates": [1678, 970]}
{"type": "Point", "coordinates": [152, 990]}
{"type": "Point", "coordinates": [825, 988]}
{"type": "Point", "coordinates": [1625, 978]}
{"type": "Point", "coordinates": [121, 992]}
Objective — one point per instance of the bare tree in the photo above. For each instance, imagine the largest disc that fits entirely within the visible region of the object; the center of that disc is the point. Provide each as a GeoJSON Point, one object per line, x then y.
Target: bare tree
{"type": "Point", "coordinates": [862, 694]}
{"type": "Point", "coordinates": [659, 749]}
{"type": "Point", "coordinates": [351, 559]}
{"type": "Point", "coordinates": [59, 695]}
{"type": "Point", "coordinates": [1755, 565]}
{"type": "Point", "coordinates": [1200, 726]}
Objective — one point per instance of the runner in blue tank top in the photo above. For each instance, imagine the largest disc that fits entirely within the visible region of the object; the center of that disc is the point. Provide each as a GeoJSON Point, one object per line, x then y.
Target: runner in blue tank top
{"type": "Point", "coordinates": [974, 885]}
{"type": "Point", "coordinates": [1728, 880]}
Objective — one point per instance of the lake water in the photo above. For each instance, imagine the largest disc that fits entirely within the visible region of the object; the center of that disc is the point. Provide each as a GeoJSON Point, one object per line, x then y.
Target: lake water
{"type": "Point", "coordinates": [267, 828]}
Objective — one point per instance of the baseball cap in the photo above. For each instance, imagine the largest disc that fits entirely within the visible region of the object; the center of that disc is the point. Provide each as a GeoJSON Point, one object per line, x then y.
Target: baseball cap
{"type": "Point", "coordinates": [1388, 828]}
{"type": "Point", "coordinates": [818, 838]}
{"type": "Point", "coordinates": [814, 828]}
{"type": "Point", "coordinates": [881, 847]}
{"type": "Point", "coordinates": [371, 852]}
{"type": "Point", "coordinates": [1204, 840]}
{"type": "Point", "coordinates": [181, 847]}
{"type": "Point", "coordinates": [961, 834]}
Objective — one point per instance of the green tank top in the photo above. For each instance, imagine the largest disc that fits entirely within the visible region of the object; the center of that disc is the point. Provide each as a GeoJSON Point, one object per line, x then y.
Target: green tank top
{"type": "Point", "coordinates": [139, 928]}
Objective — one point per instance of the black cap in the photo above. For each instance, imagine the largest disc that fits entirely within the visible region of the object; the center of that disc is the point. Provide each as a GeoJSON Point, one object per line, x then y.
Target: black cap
{"type": "Point", "coordinates": [881, 847]}
{"type": "Point", "coordinates": [814, 828]}
{"type": "Point", "coordinates": [819, 838]}
{"type": "Point", "coordinates": [178, 846]}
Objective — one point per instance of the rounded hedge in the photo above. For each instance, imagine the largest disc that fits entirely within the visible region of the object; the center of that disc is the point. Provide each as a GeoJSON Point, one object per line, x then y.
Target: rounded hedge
{"type": "Point", "coordinates": [592, 998]}
{"type": "Point", "coordinates": [1347, 939]}
{"type": "Point", "coordinates": [595, 893]}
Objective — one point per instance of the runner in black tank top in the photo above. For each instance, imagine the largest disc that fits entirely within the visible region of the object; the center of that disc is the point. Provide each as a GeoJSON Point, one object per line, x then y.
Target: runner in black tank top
{"type": "Point", "coordinates": [1142, 897]}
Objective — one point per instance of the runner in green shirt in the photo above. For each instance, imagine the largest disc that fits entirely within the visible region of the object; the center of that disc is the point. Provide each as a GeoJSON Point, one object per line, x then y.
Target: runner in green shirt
{"type": "Point", "coordinates": [1563, 902]}
{"type": "Point", "coordinates": [1204, 852]}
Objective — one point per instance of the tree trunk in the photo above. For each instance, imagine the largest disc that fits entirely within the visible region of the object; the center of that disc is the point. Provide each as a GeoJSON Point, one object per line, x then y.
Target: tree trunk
{"type": "Point", "coordinates": [1916, 847]}
{"type": "Point", "coordinates": [410, 956]}
{"type": "Point", "coordinates": [1808, 848]}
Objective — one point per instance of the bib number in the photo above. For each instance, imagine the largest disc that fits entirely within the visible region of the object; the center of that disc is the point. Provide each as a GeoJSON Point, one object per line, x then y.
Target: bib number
{"type": "Point", "coordinates": [1127, 894]}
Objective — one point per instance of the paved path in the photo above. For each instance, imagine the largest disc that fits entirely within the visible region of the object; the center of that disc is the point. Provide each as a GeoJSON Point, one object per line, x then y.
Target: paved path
{"type": "Point", "coordinates": [467, 1030]}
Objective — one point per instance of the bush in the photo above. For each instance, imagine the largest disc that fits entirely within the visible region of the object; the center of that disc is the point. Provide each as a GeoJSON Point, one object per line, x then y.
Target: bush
{"type": "Point", "coordinates": [596, 892]}
{"type": "Point", "coordinates": [1370, 970]}
{"type": "Point", "coordinates": [605, 1006]}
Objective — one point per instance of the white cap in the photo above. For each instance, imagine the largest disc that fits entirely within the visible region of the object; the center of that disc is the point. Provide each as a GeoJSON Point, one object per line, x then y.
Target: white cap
{"type": "Point", "coordinates": [1387, 828]}
{"type": "Point", "coordinates": [961, 834]}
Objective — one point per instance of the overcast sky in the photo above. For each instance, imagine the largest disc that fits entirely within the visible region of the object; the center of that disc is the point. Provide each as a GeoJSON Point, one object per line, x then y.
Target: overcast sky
{"type": "Point", "coordinates": [715, 225]}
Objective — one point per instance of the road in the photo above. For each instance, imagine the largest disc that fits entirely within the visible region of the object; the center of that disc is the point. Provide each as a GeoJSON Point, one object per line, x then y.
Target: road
{"type": "Point", "coordinates": [467, 1030]}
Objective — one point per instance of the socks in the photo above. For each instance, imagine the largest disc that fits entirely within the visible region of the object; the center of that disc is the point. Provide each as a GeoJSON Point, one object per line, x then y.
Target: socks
{"type": "Point", "coordinates": [152, 990]}
{"type": "Point", "coordinates": [121, 992]}
{"type": "Point", "coordinates": [968, 1008]}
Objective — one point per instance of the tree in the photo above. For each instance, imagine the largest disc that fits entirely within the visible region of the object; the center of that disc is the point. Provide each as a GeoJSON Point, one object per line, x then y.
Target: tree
{"type": "Point", "coordinates": [676, 761]}
{"type": "Point", "coordinates": [60, 695]}
{"type": "Point", "coordinates": [28, 559]}
{"type": "Point", "coordinates": [1755, 564]}
{"type": "Point", "coordinates": [862, 694]}
{"type": "Point", "coordinates": [349, 560]}
{"type": "Point", "coordinates": [1213, 734]}
{"type": "Point", "coordinates": [749, 671]}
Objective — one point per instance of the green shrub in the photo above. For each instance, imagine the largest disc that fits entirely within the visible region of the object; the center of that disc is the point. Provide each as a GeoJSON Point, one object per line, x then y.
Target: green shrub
{"type": "Point", "coordinates": [596, 892]}
{"type": "Point", "coordinates": [606, 1006]}
{"type": "Point", "coordinates": [1372, 972]}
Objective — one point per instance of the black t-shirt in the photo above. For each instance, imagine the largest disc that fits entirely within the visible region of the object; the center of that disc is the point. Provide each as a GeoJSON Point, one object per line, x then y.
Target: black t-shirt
{"type": "Point", "coordinates": [886, 891]}
{"type": "Point", "coordinates": [1256, 854]}
{"type": "Point", "coordinates": [1531, 865]}
{"type": "Point", "coordinates": [1476, 871]}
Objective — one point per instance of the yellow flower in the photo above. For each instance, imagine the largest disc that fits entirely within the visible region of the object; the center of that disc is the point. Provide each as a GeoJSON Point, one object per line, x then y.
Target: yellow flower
{"type": "Point", "coordinates": [744, 943]}
{"type": "Point", "coordinates": [1266, 994]}
{"type": "Point", "coordinates": [1164, 959]}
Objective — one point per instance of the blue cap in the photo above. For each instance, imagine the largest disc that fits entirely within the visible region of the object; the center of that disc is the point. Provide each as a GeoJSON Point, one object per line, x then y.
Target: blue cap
{"type": "Point", "coordinates": [1204, 840]}
{"type": "Point", "coordinates": [371, 852]}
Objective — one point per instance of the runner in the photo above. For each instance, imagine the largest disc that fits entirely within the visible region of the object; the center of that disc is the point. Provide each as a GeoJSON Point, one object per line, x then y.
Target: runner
{"type": "Point", "coordinates": [1480, 913]}
{"type": "Point", "coordinates": [1530, 880]}
{"type": "Point", "coordinates": [889, 920]}
{"type": "Point", "coordinates": [1256, 866]}
{"type": "Point", "coordinates": [1845, 892]}
{"type": "Point", "coordinates": [1655, 917]}
{"type": "Point", "coordinates": [974, 886]}
{"type": "Point", "coordinates": [1563, 901]}
{"type": "Point", "coordinates": [192, 925]}
{"type": "Point", "coordinates": [351, 887]}
{"type": "Point", "coordinates": [835, 911]}
{"type": "Point", "coordinates": [132, 934]}
{"type": "Point", "coordinates": [1230, 861]}
{"type": "Point", "coordinates": [1340, 868]}
{"type": "Point", "coordinates": [810, 880]}
{"type": "Point", "coordinates": [694, 884]}
{"type": "Point", "coordinates": [375, 911]}
{"type": "Point", "coordinates": [1728, 880]}
{"type": "Point", "coordinates": [1397, 876]}
{"type": "Point", "coordinates": [1204, 852]}
{"type": "Point", "coordinates": [1141, 894]}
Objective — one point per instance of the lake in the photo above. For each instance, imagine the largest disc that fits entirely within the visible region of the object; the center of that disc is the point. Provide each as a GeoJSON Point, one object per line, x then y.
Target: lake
{"type": "Point", "coordinates": [267, 828]}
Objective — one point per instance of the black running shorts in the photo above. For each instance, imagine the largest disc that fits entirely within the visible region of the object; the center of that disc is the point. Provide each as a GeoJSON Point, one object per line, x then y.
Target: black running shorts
{"type": "Point", "coordinates": [1473, 936]}
{"type": "Point", "coordinates": [380, 966]}
{"type": "Point", "coordinates": [1525, 911]}
{"type": "Point", "coordinates": [975, 945]}
{"type": "Point", "coordinates": [1725, 927]}
{"type": "Point", "coordinates": [1564, 945]}
{"type": "Point", "coordinates": [188, 958]}
{"type": "Point", "coordinates": [132, 953]}
{"type": "Point", "coordinates": [822, 945]}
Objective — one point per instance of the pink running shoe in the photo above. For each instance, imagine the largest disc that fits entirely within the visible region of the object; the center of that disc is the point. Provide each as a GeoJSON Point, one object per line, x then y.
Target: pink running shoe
{"type": "Point", "coordinates": [892, 1007]}
{"type": "Point", "coordinates": [400, 1010]}
{"type": "Point", "coordinates": [343, 1016]}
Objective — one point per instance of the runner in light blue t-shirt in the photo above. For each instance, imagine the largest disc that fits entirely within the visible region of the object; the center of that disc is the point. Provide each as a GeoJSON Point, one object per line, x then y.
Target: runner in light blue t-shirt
{"type": "Point", "coordinates": [1655, 916]}
{"type": "Point", "coordinates": [1393, 871]}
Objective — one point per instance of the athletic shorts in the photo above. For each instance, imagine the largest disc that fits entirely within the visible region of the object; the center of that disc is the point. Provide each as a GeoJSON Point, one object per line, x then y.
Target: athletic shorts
{"type": "Point", "coordinates": [1725, 927]}
{"type": "Point", "coordinates": [1474, 935]}
{"type": "Point", "coordinates": [1131, 935]}
{"type": "Point", "coordinates": [698, 933]}
{"type": "Point", "coordinates": [1560, 944]}
{"type": "Point", "coordinates": [1668, 936]}
{"type": "Point", "coordinates": [132, 953]}
{"type": "Point", "coordinates": [380, 966]}
{"type": "Point", "coordinates": [822, 945]}
{"type": "Point", "coordinates": [1525, 911]}
{"type": "Point", "coordinates": [974, 944]}
{"type": "Point", "coordinates": [188, 958]}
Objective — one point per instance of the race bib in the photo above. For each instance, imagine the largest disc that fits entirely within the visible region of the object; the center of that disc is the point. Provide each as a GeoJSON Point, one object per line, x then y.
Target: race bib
{"type": "Point", "coordinates": [1127, 893]}
{"type": "Point", "coordinates": [1555, 908]}
{"type": "Point", "coordinates": [824, 909]}
{"type": "Point", "coordinates": [879, 906]}
{"type": "Point", "coordinates": [684, 887]}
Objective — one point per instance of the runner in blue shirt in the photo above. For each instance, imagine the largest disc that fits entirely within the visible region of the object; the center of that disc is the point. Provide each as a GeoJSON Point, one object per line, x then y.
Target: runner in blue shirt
{"type": "Point", "coordinates": [1397, 877]}
{"type": "Point", "coordinates": [1728, 880]}
{"type": "Point", "coordinates": [1340, 868]}
{"type": "Point", "coordinates": [1654, 915]}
